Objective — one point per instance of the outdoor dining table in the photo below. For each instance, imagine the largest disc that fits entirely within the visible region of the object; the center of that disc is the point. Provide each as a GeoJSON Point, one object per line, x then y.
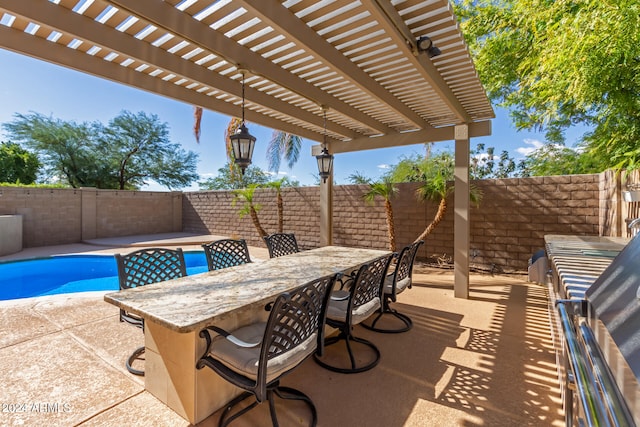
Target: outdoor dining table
{"type": "Point", "coordinates": [176, 310]}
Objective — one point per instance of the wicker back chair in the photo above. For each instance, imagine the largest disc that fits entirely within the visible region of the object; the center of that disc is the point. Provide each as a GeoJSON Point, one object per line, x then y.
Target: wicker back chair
{"type": "Point", "coordinates": [257, 356]}
{"type": "Point", "coordinates": [280, 244]}
{"type": "Point", "coordinates": [226, 253]}
{"type": "Point", "coordinates": [395, 283]}
{"type": "Point", "coordinates": [143, 267]}
{"type": "Point", "coordinates": [347, 309]}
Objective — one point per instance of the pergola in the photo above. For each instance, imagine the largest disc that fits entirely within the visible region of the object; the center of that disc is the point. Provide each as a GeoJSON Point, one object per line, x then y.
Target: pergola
{"type": "Point", "coordinates": [358, 62]}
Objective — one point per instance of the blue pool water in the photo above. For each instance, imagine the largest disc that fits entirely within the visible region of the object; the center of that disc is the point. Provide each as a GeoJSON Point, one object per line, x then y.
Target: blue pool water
{"type": "Point", "coordinates": [70, 273]}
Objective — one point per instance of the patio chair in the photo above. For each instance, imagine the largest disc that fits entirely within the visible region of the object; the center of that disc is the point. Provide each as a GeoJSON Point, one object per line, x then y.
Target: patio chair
{"type": "Point", "coordinates": [280, 244]}
{"type": "Point", "coordinates": [349, 308]}
{"type": "Point", "coordinates": [256, 357]}
{"type": "Point", "coordinates": [634, 227]}
{"type": "Point", "coordinates": [143, 267]}
{"type": "Point", "coordinates": [226, 253]}
{"type": "Point", "coordinates": [395, 283]}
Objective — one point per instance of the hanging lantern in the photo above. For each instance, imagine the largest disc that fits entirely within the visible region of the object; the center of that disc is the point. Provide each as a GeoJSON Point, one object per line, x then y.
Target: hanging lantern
{"type": "Point", "coordinates": [242, 142]}
{"type": "Point", "coordinates": [325, 160]}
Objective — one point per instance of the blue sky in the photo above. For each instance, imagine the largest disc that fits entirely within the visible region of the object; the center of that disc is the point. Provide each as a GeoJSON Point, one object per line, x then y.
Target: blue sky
{"type": "Point", "coordinates": [31, 85]}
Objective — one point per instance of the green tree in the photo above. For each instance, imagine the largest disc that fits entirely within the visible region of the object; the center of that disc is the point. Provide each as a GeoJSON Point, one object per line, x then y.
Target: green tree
{"type": "Point", "coordinates": [245, 195]}
{"type": "Point", "coordinates": [17, 165]}
{"type": "Point", "coordinates": [556, 159]}
{"type": "Point", "coordinates": [385, 189]}
{"type": "Point", "coordinates": [485, 164]}
{"type": "Point", "coordinates": [131, 150]}
{"type": "Point", "coordinates": [555, 64]}
{"type": "Point", "coordinates": [230, 178]}
{"type": "Point", "coordinates": [139, 149]}
{"type": "Point", "coordinates": [66, 149]}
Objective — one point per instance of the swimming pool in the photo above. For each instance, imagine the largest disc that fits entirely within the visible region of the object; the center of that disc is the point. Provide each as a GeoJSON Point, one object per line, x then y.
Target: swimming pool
{"type": "Point", "coordinates": [70, 273]}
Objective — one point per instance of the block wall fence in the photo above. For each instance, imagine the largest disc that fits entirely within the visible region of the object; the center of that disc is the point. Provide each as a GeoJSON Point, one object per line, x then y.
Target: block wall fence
{"type": "Point", "coordinates": [506, 229]}
{"type": "Point", "coordinates": [63, 216]}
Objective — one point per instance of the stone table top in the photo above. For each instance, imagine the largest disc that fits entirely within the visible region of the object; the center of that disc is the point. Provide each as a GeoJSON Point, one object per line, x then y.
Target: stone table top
{"type": "Point", "coordinates": [192, 302]}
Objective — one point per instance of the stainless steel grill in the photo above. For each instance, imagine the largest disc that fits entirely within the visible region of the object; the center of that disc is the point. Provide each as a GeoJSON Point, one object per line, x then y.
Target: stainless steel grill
{"type": "Point", "coordinates": [595, 312]}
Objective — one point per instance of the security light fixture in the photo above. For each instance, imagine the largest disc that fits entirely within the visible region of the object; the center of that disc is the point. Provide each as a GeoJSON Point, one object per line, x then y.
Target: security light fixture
{"type": "Point", "coordinates": [425, 44]}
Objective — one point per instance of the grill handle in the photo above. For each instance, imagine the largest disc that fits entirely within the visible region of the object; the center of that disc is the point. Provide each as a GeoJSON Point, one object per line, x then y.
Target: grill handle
{"type": "Point", "coordinates": [599, 396]}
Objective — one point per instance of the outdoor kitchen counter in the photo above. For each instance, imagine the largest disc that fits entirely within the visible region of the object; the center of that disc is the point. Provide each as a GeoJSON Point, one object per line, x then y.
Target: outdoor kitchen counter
{"type": "Point", "coordinates": [595, 327]}
{"type": "Point", "coordinates": [577, 261]}
{"type": "Point", "coordinates": [176, 310]}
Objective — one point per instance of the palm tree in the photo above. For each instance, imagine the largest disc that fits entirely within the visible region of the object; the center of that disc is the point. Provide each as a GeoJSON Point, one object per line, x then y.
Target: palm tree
{"type": "Point", "coordinates": [435, 172]}
{"type": "Point", "coordinates": [197, 121]}
{"type": "Point", "coordinates": [359, 178]}
{"type": "Point", "coordinates": [385, 189]}
{"type": "Point", "coordinates": [436, 188]}
{"type": "Point", "coordinates": [246, 196]}
{"type": "Point", "coordinates": [282, 145]}
{"type": "Point", "coordinates": [232, 127]}
{"type": "Point", "coordinates": [277, 185]}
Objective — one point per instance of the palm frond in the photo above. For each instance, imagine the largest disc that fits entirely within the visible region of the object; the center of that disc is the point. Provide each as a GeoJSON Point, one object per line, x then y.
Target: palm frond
{"type": "Point", "coordinates": [293, 146]}
{"type": "Point", "coordinates": [275, 150]}
{"type": "Point", "coordinates": [283, 145]}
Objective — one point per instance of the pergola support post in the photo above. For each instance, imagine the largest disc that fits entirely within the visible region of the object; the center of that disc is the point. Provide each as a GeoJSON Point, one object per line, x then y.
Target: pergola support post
{"type": "Point", "coordinates": [461, 224]}
{"type": "Point", "coordinates": [326, 211]}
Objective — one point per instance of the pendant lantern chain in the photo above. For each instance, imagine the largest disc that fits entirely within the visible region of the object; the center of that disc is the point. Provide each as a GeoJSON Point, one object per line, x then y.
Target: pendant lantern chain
{"type": "Point", "coordinates": [324, 110]}
{"type": "Point", "coordinates": [242, 97]}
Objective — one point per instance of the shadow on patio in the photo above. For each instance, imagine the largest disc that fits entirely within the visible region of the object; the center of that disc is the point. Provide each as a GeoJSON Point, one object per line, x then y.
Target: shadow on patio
{"type": "Point", "coordinates": [485, 361]}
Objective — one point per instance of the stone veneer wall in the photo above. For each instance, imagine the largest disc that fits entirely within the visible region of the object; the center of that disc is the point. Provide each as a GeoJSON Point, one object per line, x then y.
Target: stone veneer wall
{"type": "Point", "coordinates": [506, 229]}
{"type": "Point", "coordinates": [62, 216]}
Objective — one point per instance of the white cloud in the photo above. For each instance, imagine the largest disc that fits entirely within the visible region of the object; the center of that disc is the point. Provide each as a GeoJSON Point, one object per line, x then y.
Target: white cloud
{"type": "Point", "coordinates": [383, 166]}
{"type": "Point", "coordinates": [534, 144]}
{"type": "Point", "coordinates": [276, 173]}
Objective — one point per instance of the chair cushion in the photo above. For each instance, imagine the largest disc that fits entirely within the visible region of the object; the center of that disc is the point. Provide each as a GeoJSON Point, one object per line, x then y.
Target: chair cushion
{"type": "Point", "coordinates": [337, 310]}
{"type": "Point", "coordinates": [245, 360]}
{"type": "Point", "coordinates": [401, 285]}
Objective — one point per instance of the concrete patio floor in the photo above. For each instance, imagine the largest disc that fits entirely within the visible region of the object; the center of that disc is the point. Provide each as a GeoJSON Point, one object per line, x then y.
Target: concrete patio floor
{"type": "Point", "coordinates": [485, 361]}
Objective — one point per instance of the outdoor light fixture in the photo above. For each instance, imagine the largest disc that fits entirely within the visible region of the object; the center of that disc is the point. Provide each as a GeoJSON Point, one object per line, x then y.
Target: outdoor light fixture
{"type": "Point", "coordinates": [425, 44]}
{"type": "Point", "coordinates": [242, 141]}
{"type": "Point", "coordinates": [325, 160]}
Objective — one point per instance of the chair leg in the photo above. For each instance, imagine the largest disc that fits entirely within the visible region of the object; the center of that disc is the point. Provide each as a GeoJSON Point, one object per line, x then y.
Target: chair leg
{"type": "Point", "coordinates": [135, 355]}
{"type": "Point", "coordinates": [225, 419]}
{"type": "Point", "coordinates": [347, 337]}
{"type": "Point", "coordinates": [282, 392]}
{"type": "Point", "coordinates": [406, 320]}
{"type": "Point", "coordinates": [289, 393]}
